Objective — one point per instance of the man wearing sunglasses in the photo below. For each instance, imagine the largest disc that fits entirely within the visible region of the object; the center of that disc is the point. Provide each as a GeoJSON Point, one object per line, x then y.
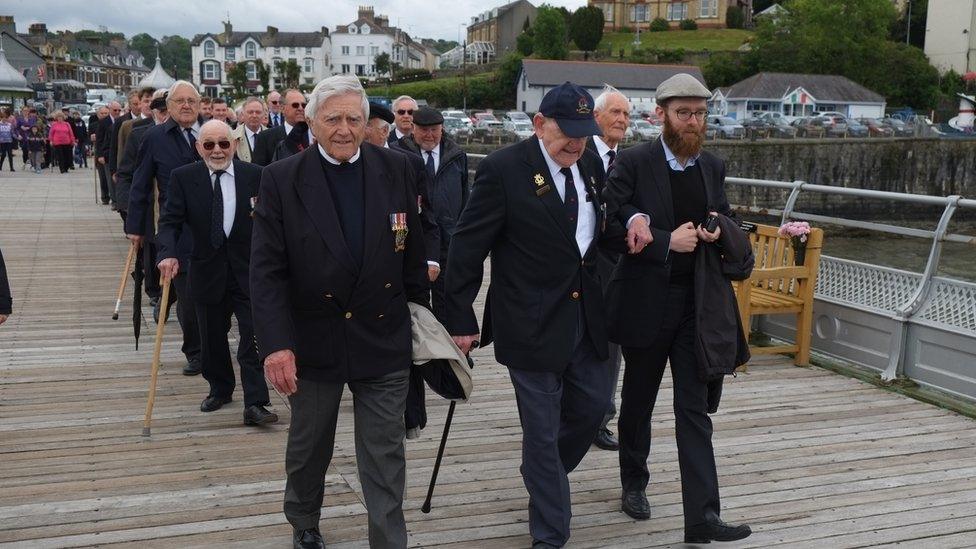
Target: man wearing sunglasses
{"type": "Point", "coordinates": [269, 144]}
{"type": "Point", "coordinates": [662, 191]}
{"type": "Point", "coordinates": [213, 201]}
{"type": "Point", "coordinates": [403, 109]}
{"type": "Point", "coordinates": [275, 118]}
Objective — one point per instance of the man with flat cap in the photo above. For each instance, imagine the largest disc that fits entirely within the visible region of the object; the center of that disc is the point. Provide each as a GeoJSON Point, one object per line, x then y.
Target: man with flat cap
{"type": "Point", "coordinates": [378, 126]}
{"type": "Point", "coordinates": [534, 209]}
{"type": "Point", "coordinates": [663, 191]}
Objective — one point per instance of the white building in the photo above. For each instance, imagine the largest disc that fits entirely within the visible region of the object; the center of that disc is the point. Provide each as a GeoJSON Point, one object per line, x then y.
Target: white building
{"type": "Point", "coordinates": [356, 45]}
{"type": "Point", "coordinates": [214, 54]}
{"type": "Point", "coordinates": [796, 95]}
{"type": "Point", "coordinates": [476, 53]}
{"type": "Point", "coordinates": [950, 35]}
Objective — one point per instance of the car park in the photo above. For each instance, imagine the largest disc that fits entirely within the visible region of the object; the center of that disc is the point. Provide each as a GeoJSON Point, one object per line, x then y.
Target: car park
{"type": "Point", "coordinates": [835, 125]}
{"type": "Point", "coordinates": [856, 129]}
{"type": "Point", "coordinates": [521, 129]}
{"type": "Point", "coordinates": [726, 127]}
{"type": "Point", "coordinates": [644, 130]}
{"type": "Point", "coordinates": [900, 128]}
{"type": "Point", "coordinates": [876, 128]}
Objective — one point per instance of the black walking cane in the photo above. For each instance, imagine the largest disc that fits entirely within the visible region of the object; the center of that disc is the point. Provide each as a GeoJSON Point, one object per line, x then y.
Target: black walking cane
{"type": "Point", "coordinates": [440, 451]}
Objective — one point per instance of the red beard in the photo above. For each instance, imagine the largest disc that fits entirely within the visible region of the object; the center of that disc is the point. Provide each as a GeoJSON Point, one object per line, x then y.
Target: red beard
{"type": "Point", "coordinates": [684, 144]}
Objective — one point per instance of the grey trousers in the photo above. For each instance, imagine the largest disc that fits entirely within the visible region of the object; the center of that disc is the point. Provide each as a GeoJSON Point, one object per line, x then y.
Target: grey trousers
{"type": "Point", "coordinates": [378, 406]}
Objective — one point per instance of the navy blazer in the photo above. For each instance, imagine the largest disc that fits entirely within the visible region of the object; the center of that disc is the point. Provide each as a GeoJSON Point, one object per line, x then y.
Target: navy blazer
{"type": "Point", "coordinates": [343, 321]}
{"type": "Point", "coordinates": [163, 149]}
{"type": "Point", "coordinates": [189, 206]}
{"type": "Point", "coordinates": [538, 275]}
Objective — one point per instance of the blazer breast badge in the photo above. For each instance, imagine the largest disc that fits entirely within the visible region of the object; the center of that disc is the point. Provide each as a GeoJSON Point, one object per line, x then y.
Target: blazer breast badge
{"type": "Point", "coordinates": [398, 224]}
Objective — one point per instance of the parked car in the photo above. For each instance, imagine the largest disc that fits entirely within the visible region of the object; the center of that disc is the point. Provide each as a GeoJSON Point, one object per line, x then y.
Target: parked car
{"type": "Point", "coordinates": [900, 128]}
{"type": "Point", "coordinates": [773, 115]}
{"type": "Point", "coordinates": [809, 126]}
{"type": "Point", "coordinates": [456, 127]}
{"type": "Point", "coordinates": [856, 129]}
{"type": "Point", "coordinates": [834, 124]}
{"type": "Point", "coordinates": [727, 127]}
{"type": "Point", "coordinates": [876, 128]}
{"type": "Point", "coordinates": [780, 128]}
{"type": "Point", "coordinates": [756, 127]}
{"type": "Point", "coordinates": [644, 130]}
{"type": "Point", "coordinates": [517, 116]}
{"type": "Point", "coordinates": [522, 129]}
{"type": "Point", "coordinates": [458, 114]}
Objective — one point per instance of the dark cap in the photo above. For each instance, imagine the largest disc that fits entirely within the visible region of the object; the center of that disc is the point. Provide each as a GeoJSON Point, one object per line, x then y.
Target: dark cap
{"type": "Point", "coordinates": [158, 104]}
{"type": "Point", "coordinates": [379, 111]}
{"type": "Point", "coordinates": [572, 108]}
{"type": "Point", "coordinates": [426, 116]}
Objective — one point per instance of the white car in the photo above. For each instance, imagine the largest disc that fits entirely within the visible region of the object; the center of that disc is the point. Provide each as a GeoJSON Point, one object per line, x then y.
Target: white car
{"type": "Point", "coordinates": [644, 130]}
{"type": "Point", "coordinates": [727, 127]}
{"type": "Point", "coordinates": [459, 115]}
{"type": "Point", "coordinates": [522, 129]}
{"type": "Point", "coordinates": [517, 116]}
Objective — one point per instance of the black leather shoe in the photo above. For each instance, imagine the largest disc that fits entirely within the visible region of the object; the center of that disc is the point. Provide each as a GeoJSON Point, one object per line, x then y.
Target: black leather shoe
{"type": "Point", "coordinates": [605, 440]}
{"type": "Point", "coordinates": [193, 367]}
{"type": "Point", "coordinates": [543, 545]}
{"type": "Point", "coordinates": [259, 415]}
{"type": "Point", "coordinates": [309, 538]}
{"type": "Point", "coordinates": [212, 403]}
{"type": "Point", "coordinates": [634, 503]}
{"type": "Point", "coordinates": [716, 530]}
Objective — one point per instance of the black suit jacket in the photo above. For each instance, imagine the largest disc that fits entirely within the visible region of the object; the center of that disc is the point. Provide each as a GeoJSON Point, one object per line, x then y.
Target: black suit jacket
{"type": "Point", "coordinates": [536, 264]}
{"type": "Point", "coordinates": [189, 206]}
{"type": "Point", "coordinates": [163, 149]}
{"type": "Point", "coordinates": [127, 162]}
{"type": "Point", "coordinates": [6, 302]}
{"type": "Point", "coordinates": [113, 152]}
{"type": "Point", "coordinates": [265, 144]}
{"type": "Point", "coordinates": [432, 233]}
{"type": "Point", "coordinates": [639, 183]}
{"type": "Point", "coordinates": [343, 322]}
{"type": "Point", "coordinates": [103, 138]}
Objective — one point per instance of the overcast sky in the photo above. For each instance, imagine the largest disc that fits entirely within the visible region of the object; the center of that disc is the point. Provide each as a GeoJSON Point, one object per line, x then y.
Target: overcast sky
{"type": "Point", "coordinates": [426, 18]}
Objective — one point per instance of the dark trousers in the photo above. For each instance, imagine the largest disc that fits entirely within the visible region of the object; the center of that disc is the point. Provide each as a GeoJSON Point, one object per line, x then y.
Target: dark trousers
{"type": "Point", "coordinates": [63, 155]}
{"type": "Point", "coordinates": [214, 320]}
{"type": "Point", "coordinates": [103, 183]}
{"type": "Point", "coordinates": [7, 153]}
{"type": "Point", "coordinates": [614, 362]}
{"type": "Point", "coordinates": [149, 261]}
{"type": "Point", "coordinates": [693, 427]}
{"type": "Point", "coordinates": [186, 314]}
{"type": "Point", "coordinates": [560, 414]}
{"type": "Point", "coordinates": [378, 416]}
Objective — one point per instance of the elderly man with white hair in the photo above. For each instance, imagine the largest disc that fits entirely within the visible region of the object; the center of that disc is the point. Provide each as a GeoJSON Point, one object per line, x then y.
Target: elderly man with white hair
{"type": "Point", "coordinates": [337, 252]}
{"type": "Point", "coordinates": [164, 148]}
{"type": "Point", "coordinates": [213, 199]}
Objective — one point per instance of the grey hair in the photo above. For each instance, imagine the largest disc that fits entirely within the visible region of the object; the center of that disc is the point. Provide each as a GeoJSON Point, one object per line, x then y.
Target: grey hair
{"type": "Point", "coordinates": [600, 102]}
{"type": "Point", "coordinates": [159, 93]}
{"type": "Point", "coordinates": [251, 99]}
{"type": "Point", "coordinates": [402, 98]}
{"type": "Point", "coordinates": [182, 84]}
{"type": "Point", "coordinates": [218, 123]}
{"type": "Point", "coordinates": [332, 86]}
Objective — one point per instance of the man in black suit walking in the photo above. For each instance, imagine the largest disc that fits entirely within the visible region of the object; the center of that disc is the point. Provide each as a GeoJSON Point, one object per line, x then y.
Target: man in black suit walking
{"type": "Point", "coordinates": [337, 253]}
{"type": "Point", "coordinates": [534, 208]}
{"type": "Point", "coordinates": [291, 137]}
{"type": "Point", "coordinates": [103, 146]}
{"type": "Point", "coordinates": [663, 190]}
{"type": "Point", "coordinates": [165, 147]}
{"type": "Point", "coordinates": [213, 200]}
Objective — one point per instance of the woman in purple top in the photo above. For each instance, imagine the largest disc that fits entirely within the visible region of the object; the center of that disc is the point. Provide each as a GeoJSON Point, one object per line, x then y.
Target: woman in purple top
{"type": "Point", "coordinates": [7, 138]}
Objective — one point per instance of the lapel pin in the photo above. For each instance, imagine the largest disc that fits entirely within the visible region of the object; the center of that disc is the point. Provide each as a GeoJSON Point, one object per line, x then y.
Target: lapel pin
{"type": "Point", "coordinates": [539, 180]}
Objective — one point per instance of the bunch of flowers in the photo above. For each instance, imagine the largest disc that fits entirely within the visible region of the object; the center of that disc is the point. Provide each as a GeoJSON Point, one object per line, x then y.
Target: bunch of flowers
{"type": "Point", "coordinates": [797, 230]}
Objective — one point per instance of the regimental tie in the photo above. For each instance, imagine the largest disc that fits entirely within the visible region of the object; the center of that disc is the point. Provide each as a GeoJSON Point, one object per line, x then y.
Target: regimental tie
{"type": "Point", "coordinates": [190, 139]}
{"type": "Point", "coordinates": [613, 156]}
{"type": "Point", "coordinates": [430, 164]}
{"type": "Point", "coordinates": [217, 213]}
{"type": "Point", "coordinates": [570, 199]}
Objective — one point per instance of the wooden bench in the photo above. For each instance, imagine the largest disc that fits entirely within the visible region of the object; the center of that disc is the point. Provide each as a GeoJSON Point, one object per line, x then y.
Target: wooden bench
{"type": "Point", "coordinates": [779, 286]}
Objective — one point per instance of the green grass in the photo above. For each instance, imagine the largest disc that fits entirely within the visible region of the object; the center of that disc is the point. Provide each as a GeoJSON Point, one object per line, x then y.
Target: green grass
{"type": "Point", "coordinates": [697, 40]}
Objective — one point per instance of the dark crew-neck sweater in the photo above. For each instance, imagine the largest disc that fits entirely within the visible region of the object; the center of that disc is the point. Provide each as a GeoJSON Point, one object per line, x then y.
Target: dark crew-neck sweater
{"type": "Point", "coordinates": [688, 199]}
{"type": "Point", "coordinates": [347, 188]}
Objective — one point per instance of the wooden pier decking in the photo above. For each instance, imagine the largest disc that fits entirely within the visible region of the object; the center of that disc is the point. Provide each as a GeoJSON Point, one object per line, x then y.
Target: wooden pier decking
{"type": "Point", "coordinates": [807, 457]}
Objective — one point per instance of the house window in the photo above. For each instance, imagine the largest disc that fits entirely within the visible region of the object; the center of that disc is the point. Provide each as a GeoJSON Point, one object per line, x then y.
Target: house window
{"type": "Point", "coordinates": [308, 51]}
{"type": "Point", "coordinates": [250, 50]}
{"type": "Point", "coordinates": [252, 71]}
{"type": "Point", "coordinates": [345, 50]}
{"type": "Point", "coordinates": [374, 50]}
{"type": "Point", "coordinates": [360, 70]}
{"type": "Point", "coordinates": [309, 64]}
{"type": "Point", "coordinates": [209, 71]}
{"type": "Point", "coordinates": [360, 50]}
{"type": "Point", "coordinates": [308, 80]}
{"type": "Point", "coordinates": [345, 69]}
{"type": "Point", "coordinates": [291, 51]}
{"type": "Point", "coordinates": [709, 8]}
{"type": "Point", "coordinates": [677, 11]}
{"type": "Point", "coordinates": [209, 49]}
{"type": "Point", "coordinates": [230, 54]}
{"type": "Point", "coordinates": [608, 12]}
{"type": "Point", "coordinates": [277, 51]}
{"type": "Point", "coordinates": [638, 13]}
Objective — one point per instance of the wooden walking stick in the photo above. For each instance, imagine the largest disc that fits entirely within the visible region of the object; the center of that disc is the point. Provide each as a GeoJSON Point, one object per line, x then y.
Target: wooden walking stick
{"type": "Point", "coordinates": [163, 306]}
{"type": "Point", "coordinates": [125, 278]}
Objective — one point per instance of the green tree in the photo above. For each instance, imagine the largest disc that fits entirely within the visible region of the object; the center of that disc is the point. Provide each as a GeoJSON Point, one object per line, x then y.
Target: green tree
{"type": "Point", "coordinates": [508, 73]}
{"type": "Point", "coordinates": [905, 77]}
{"type": "Point", "coordinates": [382, 62]}
{"type": "Point", "coordinates": [289, 72]}
{"type": "Point", "coordinates": [723, 69]}
{"type": "Point", "coordinates": [174, 53]}
{"type": "Point", "coordinates": [586, 27]}
{"type": "Point", "coordinates": [264, 75]}
{"type": "Point", "coordinates": [916, 27]}
{"type": "Point", "coordinates": [237, 76]}
{"type": "Point", "coordinates": [525, 43]}
{"type": "Point", "coordinates": [103, 38]}
{"type": "Point", "coordinates": [550, 34]}
{"type": "Point", "coordinates": [659, 24]}
{"type": "Point", "coordinates": [734, 18]}
{"type": "Point", "coordinates": [146, 45]}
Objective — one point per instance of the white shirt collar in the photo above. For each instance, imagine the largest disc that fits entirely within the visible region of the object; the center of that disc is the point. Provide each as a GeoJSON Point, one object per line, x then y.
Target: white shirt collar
{"type": "Point", "coordinates": [673, 160]}
{"type": "Point", "coordinates": [435, 151]}
{"type": "Point", "coordinates": [229, 171]}
{"type": "Point", "coordinates": [398, 134]}
{"type": "Point", "coordinates": [555, 168]}
{"type": "Point", "coordinates": [287, 126]}
{"type": "Point", "coordinates": [331, 160]}
{"type": "Point", "coordinates": [602, 147]}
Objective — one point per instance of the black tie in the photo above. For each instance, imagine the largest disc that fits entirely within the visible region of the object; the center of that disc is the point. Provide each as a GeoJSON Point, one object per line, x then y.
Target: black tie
{"type": "Point", "coordinates": [571, 199]}
{"type": "Point", "coordinates": [430, 164]}
{"type": "Point", "coordinates": [217, 213]}
{"type": "Point", "coordinates": [191, 139]}
{"type": "Point", "coordinates": [613, 155]}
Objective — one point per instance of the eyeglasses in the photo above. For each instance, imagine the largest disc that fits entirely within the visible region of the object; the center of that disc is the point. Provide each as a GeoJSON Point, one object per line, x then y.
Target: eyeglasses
{"type": "Point", "coordinates": [184, 101]}
{"type": "Point", "coordinates": [209, 145]}
{"type": "Point", "coordinates": [685, 114]}
{"type": "Point", "coordinates": [273, 102]}
{"type": "Point", "coordinates": [402, 112]}
{"type": "Point", "coordinates": [297, 105]}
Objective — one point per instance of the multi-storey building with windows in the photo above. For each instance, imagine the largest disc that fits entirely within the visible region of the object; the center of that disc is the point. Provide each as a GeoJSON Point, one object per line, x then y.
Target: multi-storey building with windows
{"type": "Point", "coordinates": [629, 14]}
{"type": "Point", "coordinates": [215, 54]}
{"type": "Point", "coordinates": [356, 45]}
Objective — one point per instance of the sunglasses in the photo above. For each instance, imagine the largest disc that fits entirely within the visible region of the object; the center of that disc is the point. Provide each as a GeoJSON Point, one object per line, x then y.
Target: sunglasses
{"type": "Point", "coordinates": [298, 105]}
{"type": "Point", "coordinates": [273, 102]}
{"type": "Point", "coordinates": [209, 145]}
{"type": "Point", "coordinates": [402, 112]}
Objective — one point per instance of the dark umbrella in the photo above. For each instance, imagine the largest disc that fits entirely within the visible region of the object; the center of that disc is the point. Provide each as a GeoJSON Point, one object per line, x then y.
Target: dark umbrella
{"type": "Point", "coordinates": [137, 276]}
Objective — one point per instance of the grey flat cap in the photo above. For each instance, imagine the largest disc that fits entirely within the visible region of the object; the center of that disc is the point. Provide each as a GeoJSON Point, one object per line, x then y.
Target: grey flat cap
{"type": "Point", "coordinates": [681, 85]}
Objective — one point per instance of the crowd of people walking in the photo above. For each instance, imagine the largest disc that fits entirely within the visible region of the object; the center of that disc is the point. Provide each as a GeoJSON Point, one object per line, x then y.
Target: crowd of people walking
{"type": "Point", "coordinates": [57, 140]}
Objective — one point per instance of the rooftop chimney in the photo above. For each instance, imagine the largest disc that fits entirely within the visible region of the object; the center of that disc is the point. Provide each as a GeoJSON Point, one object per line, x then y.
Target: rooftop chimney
{"type": "Point", "coordinates": [7, 24]}
{"type": "Point", "coordinates": [382, 21]}
{"type": "Point", "coordinates": [272, 30]}
{"type": "Point", "coordinates": [37, 29]}
{"type": "Point", "coordinates": [228, 28]}
{"type": "Point", "coordinates": [366, 12]}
